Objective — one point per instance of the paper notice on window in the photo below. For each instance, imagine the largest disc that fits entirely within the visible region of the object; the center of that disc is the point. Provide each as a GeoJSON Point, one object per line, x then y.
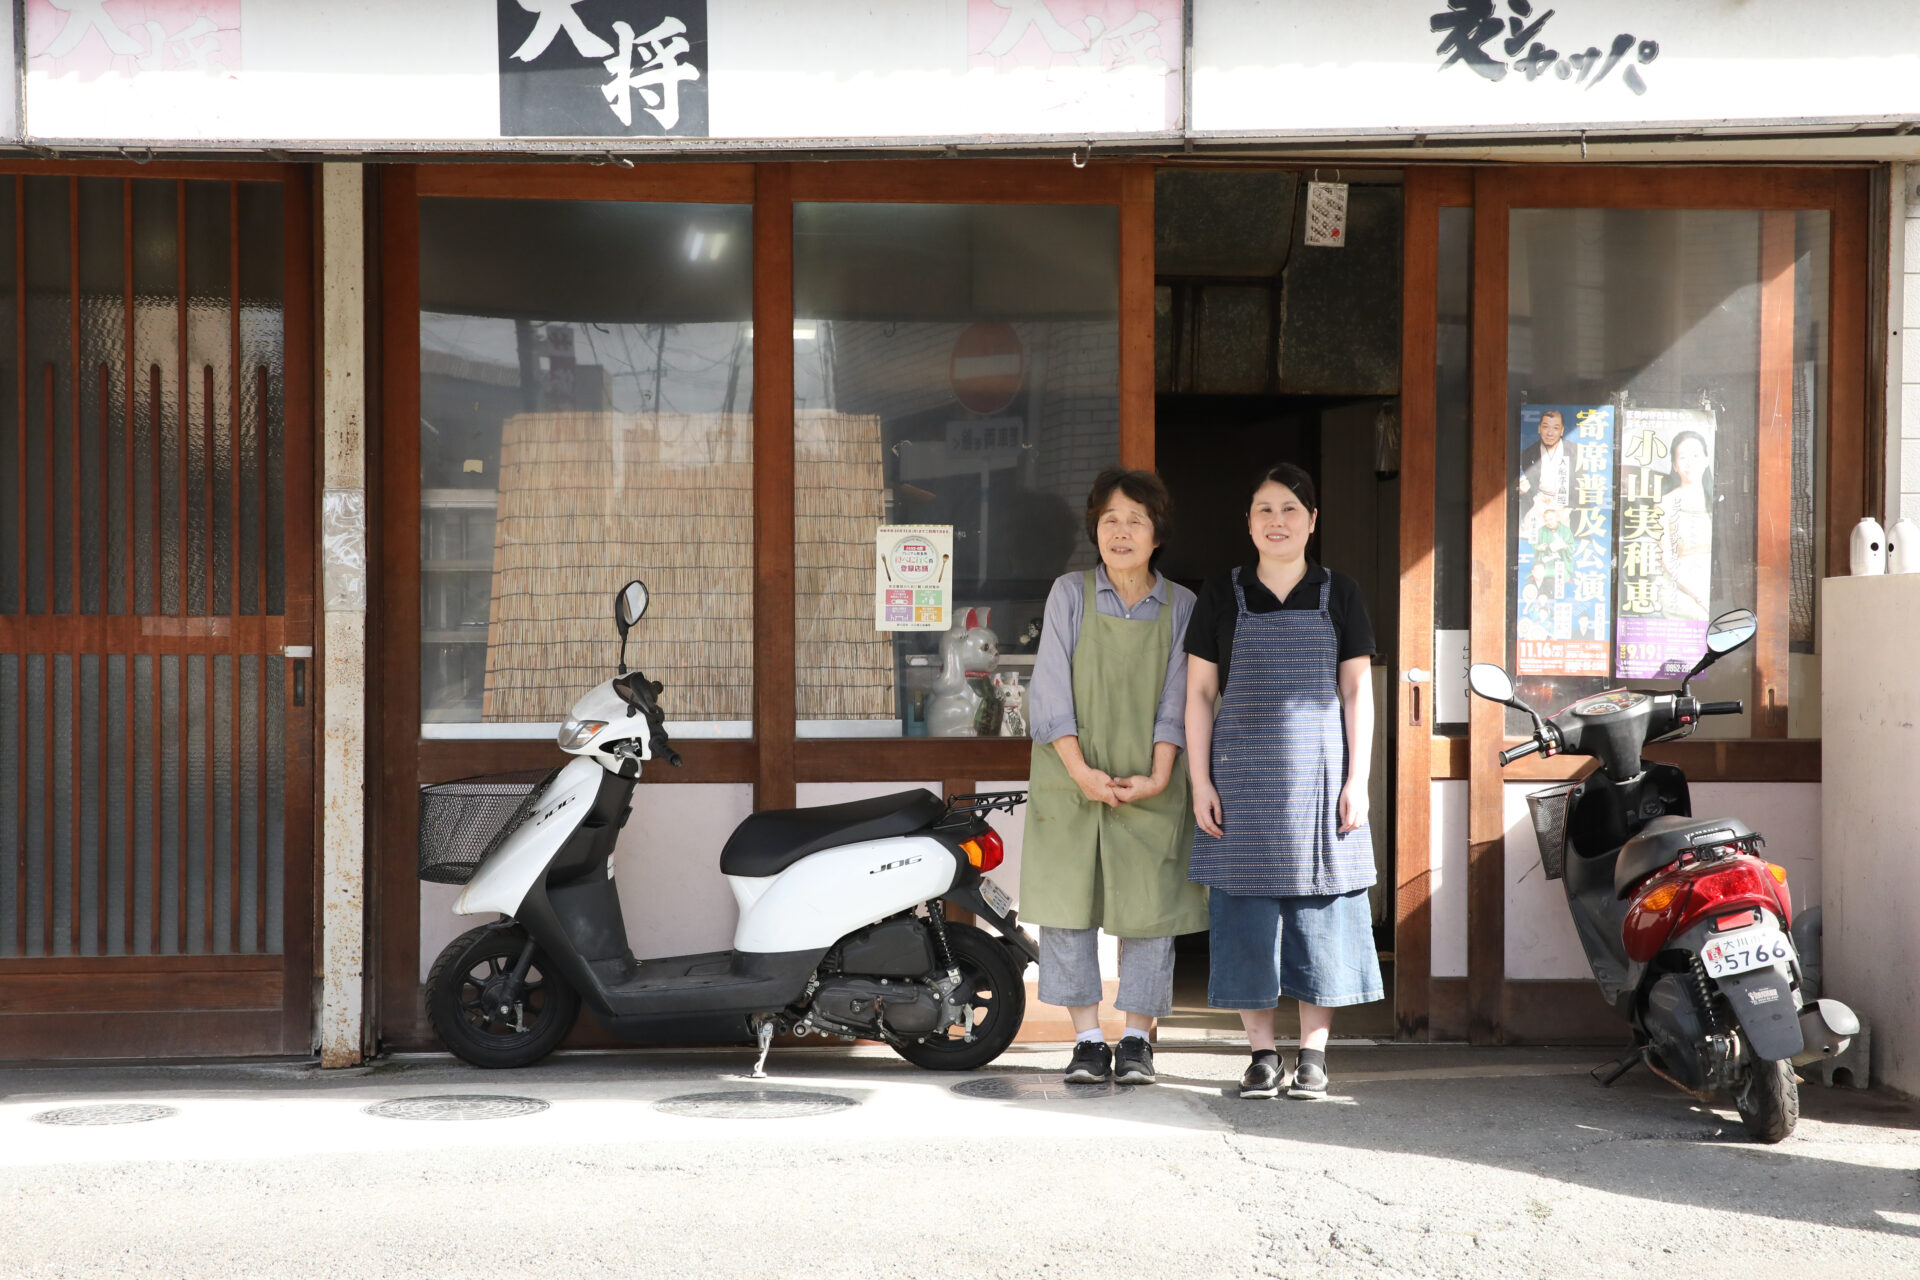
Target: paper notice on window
{"type": "Point", "coordinates": [1563, 562]}
{"type": "Point", "coordinates": [913, 577]}
{"type": "Point", "coordinates": [1666, 541]}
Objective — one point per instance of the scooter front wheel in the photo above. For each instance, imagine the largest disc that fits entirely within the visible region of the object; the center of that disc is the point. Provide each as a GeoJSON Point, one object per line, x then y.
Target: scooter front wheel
{"type": "Point", "coordinates": [477, 1015]}
{"type": "Point", "coordinates": [992, 984]}
{"type": "Point", "coordinates": [1768, 1099]}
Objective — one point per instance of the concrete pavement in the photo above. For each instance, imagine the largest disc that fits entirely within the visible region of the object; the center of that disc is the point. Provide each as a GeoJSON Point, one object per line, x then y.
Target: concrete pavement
{"type": "Point", "coordinates": [1427, 1162]}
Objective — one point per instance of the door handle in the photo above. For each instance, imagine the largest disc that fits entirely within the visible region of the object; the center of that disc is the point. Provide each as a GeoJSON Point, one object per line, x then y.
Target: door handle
{"type": "Point", "coordinates": [301, 655]}
{"type": "Point", "coordinates": [1416, 676]}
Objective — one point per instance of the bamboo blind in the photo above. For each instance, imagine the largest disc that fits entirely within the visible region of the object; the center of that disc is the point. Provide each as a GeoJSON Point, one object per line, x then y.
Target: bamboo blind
{"type": "Point", "coordinates": [590, 500]}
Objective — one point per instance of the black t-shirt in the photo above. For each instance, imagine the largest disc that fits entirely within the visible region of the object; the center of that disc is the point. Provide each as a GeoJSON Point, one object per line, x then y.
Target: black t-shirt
{"type": "Point", "coordinates": [1210, 632]}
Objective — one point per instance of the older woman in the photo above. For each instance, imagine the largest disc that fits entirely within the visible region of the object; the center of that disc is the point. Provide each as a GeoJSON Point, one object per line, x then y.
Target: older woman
{"type": "Point", "coordinates": [1283, 647]}
{"type": "Point", "coordinates": [1109, 824]}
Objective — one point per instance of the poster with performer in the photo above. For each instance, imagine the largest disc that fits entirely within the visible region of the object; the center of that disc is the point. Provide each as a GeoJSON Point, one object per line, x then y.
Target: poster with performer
{"type": "Point", "coordinates": [913, 577]}
{"type": "Point", "coordinates": [1666, 540]}
{"type": "Point", "coordinates": [1562, 502]}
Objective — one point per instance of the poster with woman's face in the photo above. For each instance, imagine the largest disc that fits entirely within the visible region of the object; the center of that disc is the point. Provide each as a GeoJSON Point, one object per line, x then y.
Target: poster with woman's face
{"type": "Point", "coordinates": [1666, 541]}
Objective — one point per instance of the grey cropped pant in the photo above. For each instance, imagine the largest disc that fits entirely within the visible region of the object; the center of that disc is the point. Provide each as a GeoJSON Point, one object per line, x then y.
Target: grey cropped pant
{"type": "Point", "coordinates": [1070, 971]}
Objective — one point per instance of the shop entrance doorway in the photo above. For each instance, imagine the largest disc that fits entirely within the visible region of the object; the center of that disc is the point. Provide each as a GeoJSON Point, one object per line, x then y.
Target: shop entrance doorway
{"type": "Point", "coordinates": [1269, 350]}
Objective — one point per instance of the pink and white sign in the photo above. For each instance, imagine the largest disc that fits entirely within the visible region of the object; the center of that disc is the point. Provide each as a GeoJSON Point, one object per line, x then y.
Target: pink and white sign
{"type": "Point", "coordinates": [1074, 33]}
{"type": "Point", "coordinates": [95, 38]}
{"type": "Point", "coordinates": [1070, 41]}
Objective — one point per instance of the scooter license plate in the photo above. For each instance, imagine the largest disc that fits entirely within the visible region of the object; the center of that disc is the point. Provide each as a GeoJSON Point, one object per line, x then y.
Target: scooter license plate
{"type": "Point", "coordinates": [1745, 949]}
{"type": "Point", "coordinates": [996, 896]}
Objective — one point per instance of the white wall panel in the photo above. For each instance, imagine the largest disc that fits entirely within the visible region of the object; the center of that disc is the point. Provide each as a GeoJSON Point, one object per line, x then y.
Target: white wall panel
{"type": "Point", "coordinates": [1447, 835]}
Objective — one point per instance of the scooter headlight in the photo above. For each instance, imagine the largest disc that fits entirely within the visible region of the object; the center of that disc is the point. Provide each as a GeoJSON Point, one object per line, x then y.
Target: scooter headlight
{"type": "Point", "coordinates": [575, 734]}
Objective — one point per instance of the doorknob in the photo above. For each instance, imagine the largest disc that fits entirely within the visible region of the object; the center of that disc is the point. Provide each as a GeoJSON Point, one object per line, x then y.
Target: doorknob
{"type": "Point", "coordinates": [1416, 676]}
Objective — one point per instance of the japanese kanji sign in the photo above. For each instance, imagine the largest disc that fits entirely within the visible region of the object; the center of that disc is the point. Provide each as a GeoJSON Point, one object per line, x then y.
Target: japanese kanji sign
{"type": "Point", "coordinates": [618, 68]}
{"type": "Point", "coordinates": [1666, 540]}
{"type": "Point", "coordinates": [1563, 564]}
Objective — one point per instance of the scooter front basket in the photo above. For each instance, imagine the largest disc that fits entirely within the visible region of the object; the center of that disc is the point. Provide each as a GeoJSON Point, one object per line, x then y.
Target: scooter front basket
{"type": "Point", "coordinates": [1550, 809]}
{"type": "Point", "coordinates": [462, 822]}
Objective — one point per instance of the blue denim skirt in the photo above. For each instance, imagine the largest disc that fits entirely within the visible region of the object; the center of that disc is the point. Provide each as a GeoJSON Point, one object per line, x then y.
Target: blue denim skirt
{"type": "Point", "coordinates": [1317, 948]}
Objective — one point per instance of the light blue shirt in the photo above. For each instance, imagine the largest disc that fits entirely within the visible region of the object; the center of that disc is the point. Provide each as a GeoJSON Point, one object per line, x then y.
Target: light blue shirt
{"type": "Point", "coordinates": [1050, 697]}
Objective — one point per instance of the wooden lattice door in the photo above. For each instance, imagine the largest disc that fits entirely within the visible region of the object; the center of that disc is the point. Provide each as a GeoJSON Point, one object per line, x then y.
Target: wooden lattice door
{"type": "Point", "coordinates": [156, 613]}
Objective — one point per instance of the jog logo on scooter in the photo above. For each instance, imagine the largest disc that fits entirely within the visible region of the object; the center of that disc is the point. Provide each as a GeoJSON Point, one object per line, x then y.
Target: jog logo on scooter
{"type": "Point", "coordinates": [894, 866]}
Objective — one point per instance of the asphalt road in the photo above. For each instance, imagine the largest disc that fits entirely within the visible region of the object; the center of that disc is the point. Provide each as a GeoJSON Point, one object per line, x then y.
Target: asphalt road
{"type": "Point", "coordinates": [1426, 1162]}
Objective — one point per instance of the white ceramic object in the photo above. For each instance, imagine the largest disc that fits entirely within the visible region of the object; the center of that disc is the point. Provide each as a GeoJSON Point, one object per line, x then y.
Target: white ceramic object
{"type": "Point", "coordinates": [1869, 548]}
{"type": "Point", "coordinates": [1903, 547]}
{"type": "Point", "coordinates": [968, 656]}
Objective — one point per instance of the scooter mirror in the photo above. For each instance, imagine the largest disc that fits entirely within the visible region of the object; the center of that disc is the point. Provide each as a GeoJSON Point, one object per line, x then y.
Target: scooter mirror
{"type": "Point", "coordinates": [1490, 682]}
{"type": "Point", "coordinates": [629, 606]}
{"type": "Point", "coordinates": [1731, 630]}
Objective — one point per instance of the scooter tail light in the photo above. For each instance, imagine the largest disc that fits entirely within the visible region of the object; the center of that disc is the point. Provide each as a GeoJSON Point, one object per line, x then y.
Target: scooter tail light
{"type": "Point", "coordinates": [1650, 920]}
{"type": "Point", "coordinates": [984, 851]}
{"type": "Point", "coordinates": [1740, 883]}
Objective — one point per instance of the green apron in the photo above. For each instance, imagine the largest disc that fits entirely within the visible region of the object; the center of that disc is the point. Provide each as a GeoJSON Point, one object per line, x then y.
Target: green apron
{"type": "Point", "coordinates": [1086, 865]}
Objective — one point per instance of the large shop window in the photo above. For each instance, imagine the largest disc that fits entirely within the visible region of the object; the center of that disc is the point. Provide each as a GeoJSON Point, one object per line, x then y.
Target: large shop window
{"type": "Point", "coordinates": [1667, 378]}
{"type": "Point", "coordinates": [958, 366]}
{"type": "Point", "coordinates": [585, 418]}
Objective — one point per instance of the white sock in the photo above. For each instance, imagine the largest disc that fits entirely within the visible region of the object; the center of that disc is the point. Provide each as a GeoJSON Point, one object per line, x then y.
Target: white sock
{"type": "Point", "coordinates": [1094, 1034]}
{"type": "Point", "coordinates": [1138, 1032]}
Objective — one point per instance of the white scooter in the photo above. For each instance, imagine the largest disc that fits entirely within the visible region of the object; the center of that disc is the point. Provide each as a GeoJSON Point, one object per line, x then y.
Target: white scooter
{"type": "Point", "coordinates": [842, 928]}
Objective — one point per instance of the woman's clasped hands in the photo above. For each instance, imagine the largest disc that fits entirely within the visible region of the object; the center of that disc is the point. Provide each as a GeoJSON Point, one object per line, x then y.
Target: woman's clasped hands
{"type": "Point", "coordinates": [1102, 788]}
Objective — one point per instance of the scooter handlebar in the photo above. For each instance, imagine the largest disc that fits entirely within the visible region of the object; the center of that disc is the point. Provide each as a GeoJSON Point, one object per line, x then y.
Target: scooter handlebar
{"type": "Point", "coordinates": [1722, 708]}
{"type": "Point", "coordinates": [1526, 748]}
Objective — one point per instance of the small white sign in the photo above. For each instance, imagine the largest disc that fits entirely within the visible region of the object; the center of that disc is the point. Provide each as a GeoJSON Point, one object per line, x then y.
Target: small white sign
{"type": "Point", "coordinates": [913, 577]}
{"type": "Point", "coordinates": [1326, 214]}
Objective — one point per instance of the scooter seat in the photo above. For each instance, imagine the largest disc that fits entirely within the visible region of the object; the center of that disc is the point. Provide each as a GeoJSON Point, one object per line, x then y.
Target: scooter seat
{"type": "Point", "coordinates": [1660, 842]}
{"type": "Point", "coordinates": [768, 843]}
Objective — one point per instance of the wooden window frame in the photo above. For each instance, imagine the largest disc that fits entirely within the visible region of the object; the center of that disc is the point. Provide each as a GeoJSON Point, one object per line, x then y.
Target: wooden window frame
{"type": "Point", "coordinates": [772, 760]}
{"type": "Point", "coordinates": [1499, 1010]}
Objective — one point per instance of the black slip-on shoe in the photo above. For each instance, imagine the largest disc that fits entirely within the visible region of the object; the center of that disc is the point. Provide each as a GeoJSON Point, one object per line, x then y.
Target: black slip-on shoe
{"type": "Point", "coordinates": [1133, 1064]}
{"type": "Point", "coordinates": [1092, 1063]}
{"type": "Point", "coordinates": [1262, 1079]}
{"type": "Point", "coordinates": [1309, 1081]}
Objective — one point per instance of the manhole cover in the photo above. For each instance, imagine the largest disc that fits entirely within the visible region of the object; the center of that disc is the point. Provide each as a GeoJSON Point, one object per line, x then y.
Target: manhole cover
{"type": "Point", "coordinates": [753, 1104]}
{"type": "Point", "coordinates": [1036, 1089]}
{"type": "Point", "coordinates": [456, 1106]}
{"type": "Point", "coordinates": [107, 1113]}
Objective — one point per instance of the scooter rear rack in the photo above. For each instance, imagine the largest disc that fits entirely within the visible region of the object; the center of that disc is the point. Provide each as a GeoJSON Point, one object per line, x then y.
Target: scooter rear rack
{"type": "Point", "coordinates": [984, 802]}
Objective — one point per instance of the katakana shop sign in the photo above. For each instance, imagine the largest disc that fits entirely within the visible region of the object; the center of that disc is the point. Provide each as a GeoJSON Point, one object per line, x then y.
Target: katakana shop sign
{"type": "Point", "coordinates": [592, 68]}
{"type": "Point", "coordinates": [1491, 42]}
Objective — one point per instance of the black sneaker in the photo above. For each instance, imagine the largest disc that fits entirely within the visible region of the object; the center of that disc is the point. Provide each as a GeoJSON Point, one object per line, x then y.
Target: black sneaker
{"type": "Point", "coordinates": [1092, 1063]}
{"type": "Point", "coordinates": [1262, 1079]}
{"type": "Point", "coordinates": [1309, 1079]}
{"type": "Point", "coordinates": [1133, 1064]}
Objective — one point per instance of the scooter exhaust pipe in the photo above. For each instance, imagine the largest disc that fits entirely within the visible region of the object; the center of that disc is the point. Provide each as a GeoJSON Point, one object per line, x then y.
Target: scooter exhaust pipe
{"type": "Point", "coordinates": [1826, 1026]}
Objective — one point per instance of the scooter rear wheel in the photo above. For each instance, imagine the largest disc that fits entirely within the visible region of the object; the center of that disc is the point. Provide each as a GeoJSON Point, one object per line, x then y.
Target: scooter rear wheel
{"type": "Point", "coordinates": [991, 980]}
{"type": "Point", "coordinates": [1768, 1099]}
{"type": "Point", "coordinates": [473, 967]}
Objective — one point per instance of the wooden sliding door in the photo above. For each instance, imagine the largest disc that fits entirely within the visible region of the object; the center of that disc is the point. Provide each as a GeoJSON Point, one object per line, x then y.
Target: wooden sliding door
{"type": "Point", "coordinates": [156, 612]}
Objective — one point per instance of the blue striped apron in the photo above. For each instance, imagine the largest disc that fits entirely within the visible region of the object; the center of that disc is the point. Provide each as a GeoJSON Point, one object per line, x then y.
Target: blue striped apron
{"type": "Point", "coordinates": [1279, 762]}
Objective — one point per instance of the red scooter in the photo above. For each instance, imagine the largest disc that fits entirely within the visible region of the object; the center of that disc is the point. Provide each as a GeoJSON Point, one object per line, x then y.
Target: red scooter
{"type": "Point", "coordinates": [1685, 925]}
